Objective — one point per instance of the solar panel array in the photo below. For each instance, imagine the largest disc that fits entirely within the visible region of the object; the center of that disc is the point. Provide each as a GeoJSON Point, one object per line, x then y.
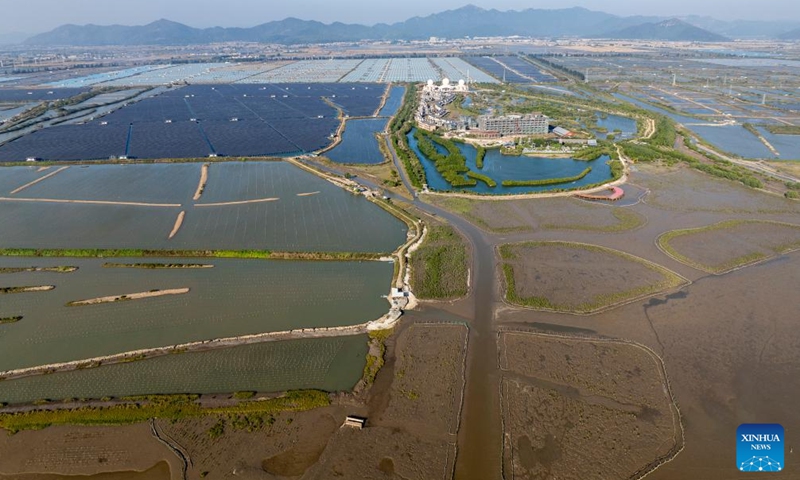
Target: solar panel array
{"type": "Point", "coordinates": [233, 73]}
{"type": "Point", "coordinates": [457, 69]}
{"type": "Point", "coordinates": [307, 71]}
{"type": "Point", "coordinates": [513, 69]}
{"type": "Point", "coordinates": [165, 76]}
{"type": "Point", "coordinates": [19, 95]}
{"type": "Point", "coordinates": [97, 78]}
{"type": "Point", "coordinates": [375, 70]}
{"type": "Point", "coordinates": [198, 120]}
{"type": "Point", "coordinates": [526, 69]}
{"type": "Point", "coordinates": [380, 70]}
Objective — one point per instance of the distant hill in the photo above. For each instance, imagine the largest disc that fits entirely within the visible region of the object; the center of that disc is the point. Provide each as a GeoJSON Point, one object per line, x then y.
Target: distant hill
{"type": "Point", "coordinates": [669, 30]}
{"type": "Point", "coordinates": [166, 32]}
{"type": "Point", "coordinates": [791, 35]}
{"type": "Point", "coordinates": [742, 28]}
{"type": "Point", "coordinates": [469, 21]}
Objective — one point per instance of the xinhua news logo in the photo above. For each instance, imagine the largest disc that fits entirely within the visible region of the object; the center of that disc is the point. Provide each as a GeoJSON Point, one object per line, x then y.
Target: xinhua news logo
{"type": "Point", "coordinates": [759, 447]}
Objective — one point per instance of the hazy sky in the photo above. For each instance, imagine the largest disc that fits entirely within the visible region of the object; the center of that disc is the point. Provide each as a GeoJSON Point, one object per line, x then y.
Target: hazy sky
{"type": "Point", "coordinates": [36, 16]}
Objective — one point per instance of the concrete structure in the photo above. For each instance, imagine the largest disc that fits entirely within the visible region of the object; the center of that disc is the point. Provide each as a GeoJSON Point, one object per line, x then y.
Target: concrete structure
{"type": "Point", "coordinates": [530, 124]}
{"type": "Point", "coordinates": [355, 422]}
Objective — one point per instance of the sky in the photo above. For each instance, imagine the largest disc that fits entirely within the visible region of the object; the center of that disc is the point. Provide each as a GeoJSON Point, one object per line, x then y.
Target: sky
{"type": "Point", "coordinates": [35, 16]}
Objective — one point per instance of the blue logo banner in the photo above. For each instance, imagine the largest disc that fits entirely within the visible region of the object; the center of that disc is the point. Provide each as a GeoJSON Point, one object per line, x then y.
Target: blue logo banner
{"type": "Point", "coordinates": [759, 447]}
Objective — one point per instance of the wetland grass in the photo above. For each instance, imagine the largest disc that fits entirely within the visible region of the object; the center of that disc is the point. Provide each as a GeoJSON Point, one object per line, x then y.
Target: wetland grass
{"type": "Point", "coordinates": [171, 407]}
{"type": "Point", "coordinates": [596, 302]}
{"type": "Point", "coordinates": [440, 265]}
{"type": "Point", "coordinates": [665, 243]}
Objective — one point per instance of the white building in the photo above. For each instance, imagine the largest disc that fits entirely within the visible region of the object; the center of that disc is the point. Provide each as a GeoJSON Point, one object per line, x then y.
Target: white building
{"type": "Point", "coordinates": [446, 87]}
{"type": "Point", "coordinates": [531, 124]}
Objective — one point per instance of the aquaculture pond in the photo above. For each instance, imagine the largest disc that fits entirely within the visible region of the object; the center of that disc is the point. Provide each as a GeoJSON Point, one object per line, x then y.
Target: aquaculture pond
{"type": "Point", "coordinates": [787, 145]}
{"type": "Point", "coordinates": [501, 167]}
{"type": "Point", "coordinates": [157, 183]}
{"type": "Point", "coordinates": [734, 139]}
{"type": "Point", "coordinates": [330, 364]}
{"type": "Point", "coordinates": [245, 205]}
{"type": "Point", "coordinates": [359, 143]}
{"type": "Point", "coordinates": [394, 102]}
{"type": "Point", "coordinates": [612, 123]}
{"type": "Point", "coordinates": [235, 297]}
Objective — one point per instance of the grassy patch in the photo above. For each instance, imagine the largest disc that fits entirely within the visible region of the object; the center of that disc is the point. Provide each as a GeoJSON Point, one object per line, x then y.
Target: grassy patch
{"type": "Point", "coordinates": [376, 355]}
{"type": "Point", "coordinates": [452, 166]}
{"type": "Point", "coordinates": [783, 129]}
{"type": "Point", "coordinates": [439, 266]}
{"type": "Point", "coordinates": [481, 154]}
{"type": "Point", "coordinates": [483, 178]}
{"type": "Point", "coordinates": [217, 430]}
{"type": "Point", "coordinates": [589, 154]}
{"type": "Point", "coordinates": [244, 395]}
{"type": "Point", "coordinates": [173, 407]}
{"type": "Point", "coordinates": [466, 207]}
{"type": "Point", "coordinates": [598, 302]}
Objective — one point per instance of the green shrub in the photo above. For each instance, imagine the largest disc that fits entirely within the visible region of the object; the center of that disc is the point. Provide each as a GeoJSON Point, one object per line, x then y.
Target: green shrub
{"type": "Point", "coordinates": [546, 181]}
{"type": "Point", "coordinates": [244, 395]}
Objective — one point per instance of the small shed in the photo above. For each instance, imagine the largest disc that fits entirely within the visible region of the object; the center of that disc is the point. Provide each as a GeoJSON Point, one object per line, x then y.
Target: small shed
{"type": "Point", "coordinates": [562, 132]}
{"type": "Point", "coordinates": [355, 422]}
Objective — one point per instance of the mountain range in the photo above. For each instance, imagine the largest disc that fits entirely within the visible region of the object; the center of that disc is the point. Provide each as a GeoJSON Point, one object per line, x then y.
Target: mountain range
{"type": "Point", "coordinates": [791, 35]}
{"type": "Point", "coordinates": [671, 30]}
{"type": "Point", "coordinates": [469, 21]}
